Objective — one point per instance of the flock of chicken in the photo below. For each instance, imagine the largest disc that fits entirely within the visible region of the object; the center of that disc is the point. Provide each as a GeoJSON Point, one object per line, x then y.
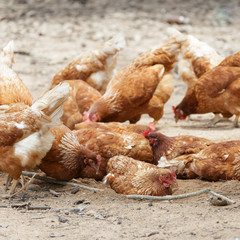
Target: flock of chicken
{"type": "Point", "coordinates": [76, 128]}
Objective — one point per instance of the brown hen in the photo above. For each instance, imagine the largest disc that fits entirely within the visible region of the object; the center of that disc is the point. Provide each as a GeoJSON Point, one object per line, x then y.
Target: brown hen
{"type": "Point", "coordinates": [24, 132]}
{"type": "Point", "coordinates": [196, 58]}
{"type": "Point", "coordinates": [166, 148]}
{"type": "Point", "coordinates": [219, 161]}
{"type": "Point", "coordinates": [130, 91]}
{"type": "Point", "coordinates": [96, 67]}
{"type": "Point", "coordinates": [112, 141]}
{"type": "Point", "coordinates": [12, 88]}
{"type": "Point", "coordinates": [81, 98]}
{"type": "Point", "coordinates": [67, 157]}
{"type": "Point", "coordinates": [129, 176]}
{"type": "Point", "coordinates": [103, 141]}
{"type": "Point", "coordinates": [216, 91]}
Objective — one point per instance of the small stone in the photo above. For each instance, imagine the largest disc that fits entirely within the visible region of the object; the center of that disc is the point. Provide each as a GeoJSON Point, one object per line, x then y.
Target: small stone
{"type": "Point", "coordinates": [33, 188]}
{"type": "Point", "coordinates": [150, 204]}
{"type": "Point", "coordinates": [56, 235]}
{"type": "Point", "coordinates": [79, 202]}
{"type": "Point", "coordinates": [62, 219]}
{"type": "Point", "coordinates": [4, 225]}
{"type": "Point", "coordinates": [77, 210]}
{"type": "Point", "coordinates": [99, 216]}
{"type": "Point", "coordinates": [75, 190]}
{"type": "Point", "coordinates": [216, 201]}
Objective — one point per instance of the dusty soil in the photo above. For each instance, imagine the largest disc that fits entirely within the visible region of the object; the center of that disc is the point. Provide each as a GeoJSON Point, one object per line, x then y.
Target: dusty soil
{"type": "Point", "coordinates": [47, 35]}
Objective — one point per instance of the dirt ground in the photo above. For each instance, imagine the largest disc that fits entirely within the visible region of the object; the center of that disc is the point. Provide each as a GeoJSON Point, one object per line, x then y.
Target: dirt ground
{"type": "Point", "coordinates": [47, 35]}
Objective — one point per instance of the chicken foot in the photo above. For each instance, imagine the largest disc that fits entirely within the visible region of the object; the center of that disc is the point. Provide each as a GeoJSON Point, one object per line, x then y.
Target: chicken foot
{"type": "Point", "coordinates": [236, 120]}
{"type": "Point", "coordinates": [217, 118]}
{"type": "Point", "coordinates": [64, 183]}
{"type": "Point", "coordinates": [9, 179]}
{"type": "Point", "coordinates": [14, 185]}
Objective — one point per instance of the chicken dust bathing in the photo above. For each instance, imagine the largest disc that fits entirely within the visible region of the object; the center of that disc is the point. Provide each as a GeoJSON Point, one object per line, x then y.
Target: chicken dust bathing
{"type": "Point", "coordinates": [109, 128]}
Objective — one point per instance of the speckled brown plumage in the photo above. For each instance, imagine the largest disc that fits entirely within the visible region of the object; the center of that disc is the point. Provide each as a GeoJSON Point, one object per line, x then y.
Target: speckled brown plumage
{"type": "Point", "coordinates": [12, 88]}
{"type": "Point", "coordinates": [24, 134]}
{"type": "Point", "coordinates": [96, 67]}
{"type": "Point", "coordinates": [196, 58]}
{"type": "Point", "coordinates": [219, 161]}
{"type": "Point", "coordinates": [129, 92]}
{"type": "Point", "coordinates": [67, 157]}
{"type": "Point", "coordinates": [81, 98]}
{"type": "Point", "coordinates": [108, 143]}
{"type": "Point", "coordinates": [114, 126]}
{"type": "Point", "coordinates": [129, 176]}
{"type": "Point", "coordinates": [216, 91]}
{"type": "Point", "coordinates": [166, 148]}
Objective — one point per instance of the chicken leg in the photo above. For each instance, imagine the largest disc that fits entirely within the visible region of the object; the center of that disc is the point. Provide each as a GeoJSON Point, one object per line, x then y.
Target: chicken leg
{"type": "Point", "coordinates": [13, 187]}
{"type": "Point", "coordinates": [236, 120]}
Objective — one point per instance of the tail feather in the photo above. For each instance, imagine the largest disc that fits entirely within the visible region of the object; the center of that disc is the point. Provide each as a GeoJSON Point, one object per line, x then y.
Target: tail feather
{"type": "Point", "coordinates": [176, 35]}
{"type": "Point", "coordinates": [7, 53]}
{"type": "Point", "coordinates": [73, 150]}
{"type": "Point", "coordinates": [192, 46]}
{"type": "Point", "coordinates": [9, 48]}
{"type": "Point", "coordinates": [174, 43]}
{"type": "Point", "coordinates": [118, 41]}
{"type": "Point", "coordinates": [51, 102]}
{"type": "Point", "coordinates": [70, 145]}
{"type": "Point", "coordinates": [115, 44]}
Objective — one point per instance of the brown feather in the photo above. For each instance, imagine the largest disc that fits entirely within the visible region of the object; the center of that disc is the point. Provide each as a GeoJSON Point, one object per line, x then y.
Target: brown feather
{"type": "Point", "coordinates": [130, 91]}
{"type": "Point", "coordinates": [108, 143]}
{"type": "Point", "coordinates": [172, 147]}
{"type": "Point", "coordinates": [24, 136]}
{"type": "Point", "coordinates": [217, 86]}
{"type": "Point", "coordinates": [114, 126]}
{"type": "Point", "coordinates": [219, 161]}
{"type": "Point", "coordinates": [67, 158]}
{"type": "Point", "coordinates": [129, 176]}
{"type": "Point", "coordinates": [96, 67]}
{"type": "Point", "coordinates": [232, 60]}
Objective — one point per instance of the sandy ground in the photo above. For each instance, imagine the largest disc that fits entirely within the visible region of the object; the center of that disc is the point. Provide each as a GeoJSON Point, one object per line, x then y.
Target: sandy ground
{"type": "Point", "coordinates": [47, 35]}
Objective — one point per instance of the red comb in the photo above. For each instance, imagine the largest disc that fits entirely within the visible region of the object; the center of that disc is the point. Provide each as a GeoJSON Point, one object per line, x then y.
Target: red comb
{"type": "Point", "coordinates": [145, 133]}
